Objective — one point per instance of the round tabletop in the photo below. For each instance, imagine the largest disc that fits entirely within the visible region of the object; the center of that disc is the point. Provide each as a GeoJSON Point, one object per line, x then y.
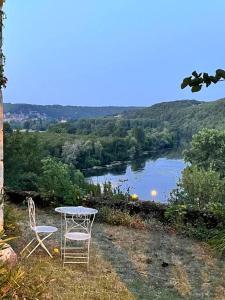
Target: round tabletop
{"type": "Point", "coordinates": [76, 210]}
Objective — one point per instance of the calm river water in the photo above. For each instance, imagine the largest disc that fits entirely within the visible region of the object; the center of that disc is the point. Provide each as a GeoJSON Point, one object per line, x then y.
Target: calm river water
{"type": "Point", "coordinates": [144, 176]}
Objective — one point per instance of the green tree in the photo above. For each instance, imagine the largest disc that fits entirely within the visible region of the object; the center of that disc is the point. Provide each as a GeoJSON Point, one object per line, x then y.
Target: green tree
{"type": "Point", "coordinates": [23, 153]}
{"type": "Point", "coordinates": [71, 152]}
{"type": "Point", "coordinates": [7, 128]}
{"type": "Point", "coordinates": [199, 189]}
{"type": "Point", "coordinates": [139, 135]}
{"type": "Point", "coordinates": [56, 182]}
{"type": "Point", "coordinates": [98, 148]}
{"type": "Point", "coordinates": [208, 150]}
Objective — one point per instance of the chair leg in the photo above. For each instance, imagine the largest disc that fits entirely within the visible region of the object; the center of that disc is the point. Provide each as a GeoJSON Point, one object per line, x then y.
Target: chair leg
{"type": "Point", "coordinates": [33, 249]}
{"type": "Point", "coordinates": [45, 248]}
{"type": "Point", "coordinates": [27, 246]}
{"type": "Point", "coordinates": [40, 243]}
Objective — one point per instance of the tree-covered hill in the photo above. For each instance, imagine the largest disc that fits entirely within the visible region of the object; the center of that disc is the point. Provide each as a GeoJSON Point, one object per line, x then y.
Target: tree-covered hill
{"type": "Point", "coordinates": [57, 112]}
{"type": "Point", "coordinates": [179, 118]}
{"type": "Point", "coordinates": [163, 111]}
{"type": "Point", "coordinates": [187, 115]}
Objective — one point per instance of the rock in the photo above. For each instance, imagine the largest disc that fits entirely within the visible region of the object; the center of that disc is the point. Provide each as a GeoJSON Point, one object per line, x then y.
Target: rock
{"type": "Point", "coordinates": [169, 285]}
{"type": "Point", "coordinates": [165, 264]}
{"type": "Point", "coordinates": [8, 256]}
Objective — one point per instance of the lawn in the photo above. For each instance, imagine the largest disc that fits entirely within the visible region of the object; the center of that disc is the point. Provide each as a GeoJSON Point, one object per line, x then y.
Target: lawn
{"type": "Point", "coordinates": [152, 263]}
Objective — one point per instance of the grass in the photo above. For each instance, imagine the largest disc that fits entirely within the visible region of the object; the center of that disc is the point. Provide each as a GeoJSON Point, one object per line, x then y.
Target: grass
{"type": "Point", "coordinates": [126, 263]}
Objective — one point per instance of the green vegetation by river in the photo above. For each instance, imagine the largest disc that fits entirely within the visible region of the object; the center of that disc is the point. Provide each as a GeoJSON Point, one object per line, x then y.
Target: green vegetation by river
{"type": "Point", "coordinates": [87, 143]}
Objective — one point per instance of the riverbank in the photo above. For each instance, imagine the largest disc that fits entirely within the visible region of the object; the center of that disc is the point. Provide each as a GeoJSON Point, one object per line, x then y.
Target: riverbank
{"type": "Point", "coordinates": [126, 263]}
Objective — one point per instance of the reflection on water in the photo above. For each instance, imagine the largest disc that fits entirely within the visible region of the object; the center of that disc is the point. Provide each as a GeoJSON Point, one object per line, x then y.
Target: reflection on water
{"type": "Point", "coordinates": [143, 176]}
{"type": "Point", "coordinates": [138, 165]}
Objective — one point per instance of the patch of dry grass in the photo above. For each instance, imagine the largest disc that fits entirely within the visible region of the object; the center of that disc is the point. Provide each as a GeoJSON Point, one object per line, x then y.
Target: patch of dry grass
{"type": "Point", "coordinates": [46, 279]}
{"type": "Point", "coordinates": [180, 278]}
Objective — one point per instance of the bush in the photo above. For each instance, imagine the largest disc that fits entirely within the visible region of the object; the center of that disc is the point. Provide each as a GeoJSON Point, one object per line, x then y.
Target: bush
{"type": "Point", "coordinates": [208, 150]}
{"type": "Point", "coordinates": [60, 183]}
{"type": "Point", "coordinates": [199, 189]}
{"type": "Point", "coordinates": [199, 193]}
{"type": "Point", "coordinates": [217, 242]}
{"type": "Point", "coordinates": [176, 213]}
{"type": "Point", "coordinates": [118, 217]}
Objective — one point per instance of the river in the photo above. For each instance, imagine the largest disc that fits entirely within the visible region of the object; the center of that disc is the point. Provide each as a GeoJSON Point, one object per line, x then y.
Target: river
{"type": "Point", "coordinates": [143, 176]}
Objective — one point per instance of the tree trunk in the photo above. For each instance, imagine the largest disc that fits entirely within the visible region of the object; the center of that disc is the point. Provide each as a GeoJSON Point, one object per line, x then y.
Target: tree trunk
{"type": "Point", "coordinates": [1, 118]}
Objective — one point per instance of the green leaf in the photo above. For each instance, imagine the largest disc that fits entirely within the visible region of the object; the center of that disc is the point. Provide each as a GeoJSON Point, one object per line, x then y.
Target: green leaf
{"type": "Point", "coordinates": [220, 73]}
{"type": "Point", "coordinates": [195, 74]}
{"type": "Point", "coordinates": [205, 76]}
{"type": "Point", "coordinates": [213, 79]}
{"type": "Point", "coordinates": [196, 81]}
{"type": "Point", "coordinates": [186, 82]}
{"type": "Point", "coordinates": [196, 88]}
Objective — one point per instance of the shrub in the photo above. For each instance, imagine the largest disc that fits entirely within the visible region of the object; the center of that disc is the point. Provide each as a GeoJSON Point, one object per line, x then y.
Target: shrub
{"type": "Point", "coordinates": [217, 242]}
{"type": "Point", "coordinates": [93, 189]}
{"type": "Point", "coordinates": [118, 217]}
{"type": "Point", "coordinates": [199, 188]}
{"type": "Point", "coordinates": [202, 191]}
{"type": "Point", "coordinates": [176, 213]}
{"type": "Point", "coordinates": [208, 150]}
{"type": "Point", "coordinates": [60, 183]}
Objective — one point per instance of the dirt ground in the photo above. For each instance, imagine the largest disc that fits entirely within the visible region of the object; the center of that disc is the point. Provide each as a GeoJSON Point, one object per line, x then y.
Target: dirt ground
{"type": "Point", "coordinates": [153, 263]}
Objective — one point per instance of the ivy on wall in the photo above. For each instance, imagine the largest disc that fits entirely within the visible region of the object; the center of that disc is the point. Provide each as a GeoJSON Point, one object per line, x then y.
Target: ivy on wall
{"type": "Point", "coordinates": [3, 79]}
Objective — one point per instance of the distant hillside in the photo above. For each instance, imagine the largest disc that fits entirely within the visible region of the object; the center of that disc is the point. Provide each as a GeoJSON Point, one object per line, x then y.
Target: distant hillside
{"type": "Point", "coordinates": [59, 112]}
{"type": "Point", "coordinates": [164, 111]}
{"type": "Point", "coordinates": [180, 118]}
{"type": "Point", "coordinates": [183, 117]}
{"type": "Point", "coordinates": [186, 114]}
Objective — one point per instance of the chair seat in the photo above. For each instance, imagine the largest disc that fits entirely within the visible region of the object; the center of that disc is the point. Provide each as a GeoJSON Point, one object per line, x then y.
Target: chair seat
{"type": "Point", "coordinates": [44, 229]}
{"type": "Point", "coordinates": [77, 236]}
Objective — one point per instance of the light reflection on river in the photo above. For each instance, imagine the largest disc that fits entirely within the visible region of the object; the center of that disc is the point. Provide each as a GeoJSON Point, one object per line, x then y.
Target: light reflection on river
{"type": "Point", "coordinates": [143, 176]}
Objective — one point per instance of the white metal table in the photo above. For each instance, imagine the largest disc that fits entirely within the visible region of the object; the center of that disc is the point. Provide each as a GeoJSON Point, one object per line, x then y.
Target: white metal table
{"type": "Point", "coordinates": [79, 211]}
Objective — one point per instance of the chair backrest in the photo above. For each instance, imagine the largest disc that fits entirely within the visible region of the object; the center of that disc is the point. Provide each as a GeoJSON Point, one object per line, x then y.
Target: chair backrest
{"type": "Point", "coordinates": [31, 210]}
{"type": "Point", "coordinates": [79, 223]}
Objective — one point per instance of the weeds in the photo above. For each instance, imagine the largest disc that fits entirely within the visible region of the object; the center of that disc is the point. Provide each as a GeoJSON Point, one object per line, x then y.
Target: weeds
{"type": "Point", "coordinates": [118, 217]}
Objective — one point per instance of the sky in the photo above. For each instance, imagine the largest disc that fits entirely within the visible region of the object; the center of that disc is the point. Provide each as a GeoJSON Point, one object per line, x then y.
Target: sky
{"type": "Point", "coordinates": [111, 52]}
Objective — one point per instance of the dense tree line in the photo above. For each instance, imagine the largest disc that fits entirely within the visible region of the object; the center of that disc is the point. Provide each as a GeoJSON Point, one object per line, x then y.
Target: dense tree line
{"type": "Point", "coordinates": [58, 112]}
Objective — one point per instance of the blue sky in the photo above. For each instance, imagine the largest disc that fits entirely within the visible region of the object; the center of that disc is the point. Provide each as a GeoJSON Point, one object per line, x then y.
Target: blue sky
{"type": "Point", "coordinates": [114, 52]}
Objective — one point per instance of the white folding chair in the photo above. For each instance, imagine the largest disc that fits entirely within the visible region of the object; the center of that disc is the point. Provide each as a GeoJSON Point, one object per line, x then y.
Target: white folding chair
{"type": "Point", "coordinates": [41, 232]}
{"type": "Point", "coordinates": [77, 229]}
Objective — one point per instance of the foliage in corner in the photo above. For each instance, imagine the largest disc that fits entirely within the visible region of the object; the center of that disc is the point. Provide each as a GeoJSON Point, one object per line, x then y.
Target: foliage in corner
{"type": "Point", "coordinates": [197, 80]}
{"type": "Point", "coordinates": [3, 79]}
